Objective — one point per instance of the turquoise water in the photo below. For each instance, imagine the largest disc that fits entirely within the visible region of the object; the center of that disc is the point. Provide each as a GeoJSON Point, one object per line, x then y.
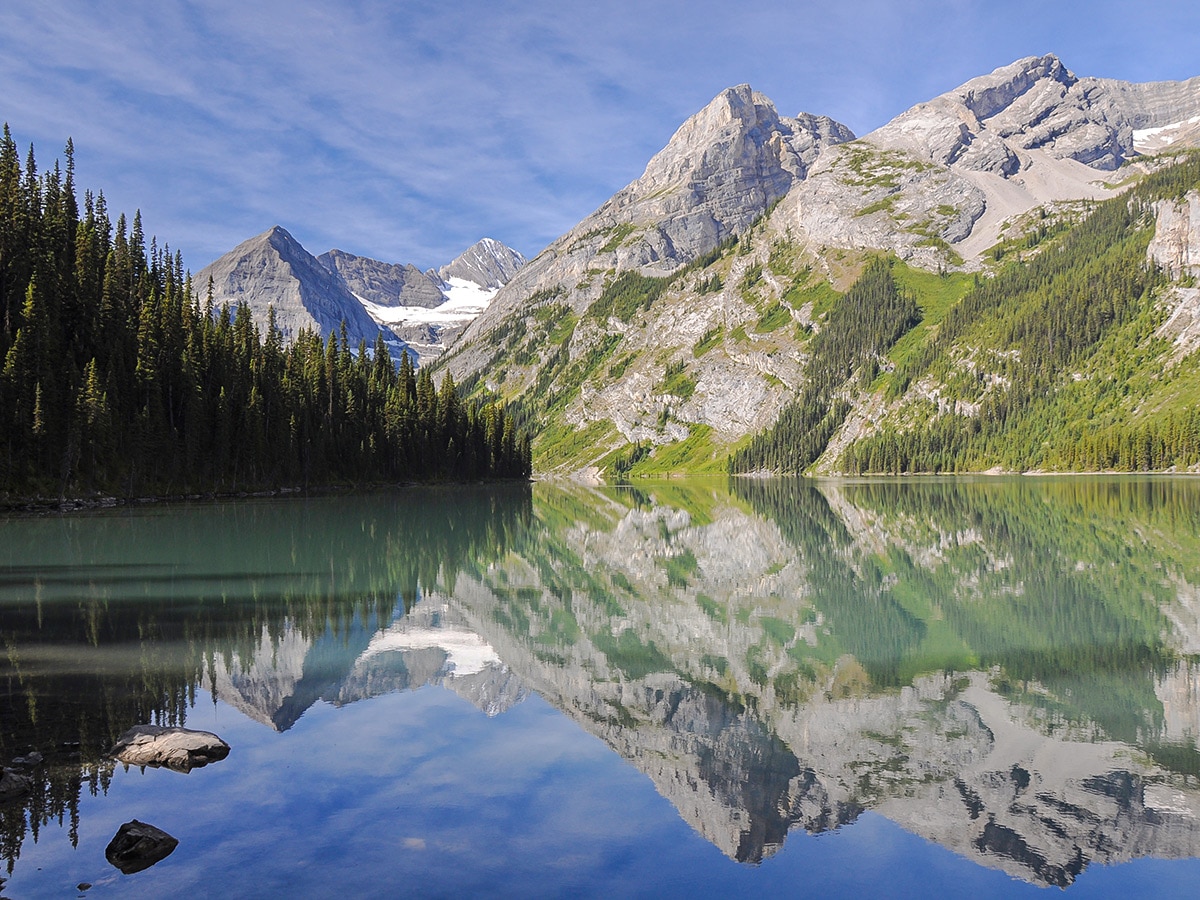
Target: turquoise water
{"type": "Point", "coordinates": [695, 688]}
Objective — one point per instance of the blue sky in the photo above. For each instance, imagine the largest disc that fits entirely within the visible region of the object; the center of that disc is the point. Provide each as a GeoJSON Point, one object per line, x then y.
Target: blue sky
{"type": "Point", "coordinates": [406, 131]}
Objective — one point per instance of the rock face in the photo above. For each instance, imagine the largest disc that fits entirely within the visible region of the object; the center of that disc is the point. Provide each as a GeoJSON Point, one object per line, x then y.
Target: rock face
{"type": "Point", "coordinates": [273, 270]}
{"type": "Point", "coordinates": [1176, 243]}
{"type": "Point", "coordinates": [956, 168]}
{"type": "Point", "coordinates": [940, 186]}
{"type": "Point", "coordinates": [718, 174]}
{"type": "Point", "coordinates": [1038, 104]}
{"type": "Point", "coordinates": [385, 284]}
{"type": "Point", "coordinates": [181, 749]}
{"type": "Point", "coordinates": [137, 846]}
{"type": "Point", "coordinates": [487, 263]}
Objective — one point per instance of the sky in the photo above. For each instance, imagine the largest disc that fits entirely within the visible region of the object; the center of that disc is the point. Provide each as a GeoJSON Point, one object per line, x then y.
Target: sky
{"type": "Point", "coordinates": [407, 131]}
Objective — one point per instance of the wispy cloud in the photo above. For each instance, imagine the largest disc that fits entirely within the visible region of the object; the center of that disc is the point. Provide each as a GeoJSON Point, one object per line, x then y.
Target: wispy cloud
{"type": "Point", "coordinates": [407, 131]}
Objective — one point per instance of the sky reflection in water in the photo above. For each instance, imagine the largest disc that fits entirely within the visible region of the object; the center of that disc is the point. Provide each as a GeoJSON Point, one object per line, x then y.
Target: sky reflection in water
{"type": "Point", "coordinates": [382, 783]}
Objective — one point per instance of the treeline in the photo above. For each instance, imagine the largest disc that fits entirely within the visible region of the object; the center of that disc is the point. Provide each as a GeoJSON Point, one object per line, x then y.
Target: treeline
{"type": "Point", "coordinates": [864, 325]}
{"type": "Point", "coordinates": [118, 376]}
{"type": "Point", "coordinates": [1032, 325]}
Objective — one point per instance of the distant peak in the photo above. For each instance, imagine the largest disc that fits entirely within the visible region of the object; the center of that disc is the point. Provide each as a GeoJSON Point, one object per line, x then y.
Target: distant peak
{"type": "Point", "coordinates": [488, 262]}
{"type": "Point", "coordinates": [988, 94]}
{"type": "Point", "coordinates": [279, 237]}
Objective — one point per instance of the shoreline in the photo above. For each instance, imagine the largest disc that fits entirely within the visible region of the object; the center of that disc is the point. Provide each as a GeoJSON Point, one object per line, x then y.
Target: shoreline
{"type": "Point", "coordinates": [35, 506]}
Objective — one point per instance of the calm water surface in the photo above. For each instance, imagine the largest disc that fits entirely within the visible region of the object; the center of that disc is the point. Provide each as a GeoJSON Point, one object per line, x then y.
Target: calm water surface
{"type": "Point", "coordinates": [911, 688]}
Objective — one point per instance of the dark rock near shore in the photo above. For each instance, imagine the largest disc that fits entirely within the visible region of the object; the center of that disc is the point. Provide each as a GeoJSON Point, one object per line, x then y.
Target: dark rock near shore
{"type": "Point", "coordinates": [13, 785]}
{"type": "Point", "coordinates": [181, 749]}
{"type": "Point", "coordinates": [137, 846]}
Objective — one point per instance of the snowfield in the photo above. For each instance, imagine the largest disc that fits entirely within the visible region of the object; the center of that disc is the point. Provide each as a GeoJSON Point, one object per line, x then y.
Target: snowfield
{"type": "Point", "coordinates": [464, 301]}
{"type": "Point", "coordinates": [1150, 139]}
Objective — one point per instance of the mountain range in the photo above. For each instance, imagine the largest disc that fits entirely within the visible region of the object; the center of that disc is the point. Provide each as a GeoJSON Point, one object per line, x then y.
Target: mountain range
{"type": "Point", "coordinates": [683, 317]}
{"type": "Point", "coordinates": [704, 317]}
{"type": "Point", "coordinates": [417, 312]}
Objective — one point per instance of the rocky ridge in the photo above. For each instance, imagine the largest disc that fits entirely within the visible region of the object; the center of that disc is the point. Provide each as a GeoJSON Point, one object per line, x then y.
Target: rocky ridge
{"type": "Point", "coordinates": [419, 313]}
{"type": "Point", "coordinates": [273, 270]}
{"type": "Point", "coordinates": [384, 284]}
{"type": "Point", "coordinates": [775, 212]}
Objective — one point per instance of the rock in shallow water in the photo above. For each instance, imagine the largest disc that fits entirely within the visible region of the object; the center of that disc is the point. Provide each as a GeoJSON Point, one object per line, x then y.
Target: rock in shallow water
{"type": "Point", "coordinates": [181, 749]}
{"type": "Point", "coordinates": [13, 785]}
{"type": "Point", "coordinates": [137, 846]}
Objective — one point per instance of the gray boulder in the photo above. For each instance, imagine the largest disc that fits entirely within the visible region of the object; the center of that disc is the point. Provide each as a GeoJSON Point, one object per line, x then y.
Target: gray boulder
{"type": "Point", "coordinates": [181, 749]}
{"type": "Point", "coordinates": [137, 846]}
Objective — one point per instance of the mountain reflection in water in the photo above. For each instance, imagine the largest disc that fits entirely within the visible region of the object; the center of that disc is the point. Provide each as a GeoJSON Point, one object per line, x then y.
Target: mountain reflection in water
{"type": "Point", "coordinates": [1004, 667]}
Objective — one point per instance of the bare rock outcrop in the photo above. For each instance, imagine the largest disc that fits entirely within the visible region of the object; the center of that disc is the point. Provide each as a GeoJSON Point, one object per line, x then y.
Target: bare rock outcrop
{"type": "Point", "coordinates": [1176, 243]}
{"type": "Point", "coordinates": [181, 749]}
{"type": "Point", "coordinates": [13, 785]}
{"type": "Point", "coordinates": [384, 284]}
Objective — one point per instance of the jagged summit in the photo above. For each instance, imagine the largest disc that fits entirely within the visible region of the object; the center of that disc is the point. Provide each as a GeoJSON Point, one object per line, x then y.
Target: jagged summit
{"type": "Point", "coordinates": [487, 263]}
{"type": "Point", "coordinates": [718, 174]}
{"type": "Point", "coordinates": [274, 270]}
{"type": "Point", "coordinates": [733, 129]}
{"type": "Point", "coordinates": [384, 284]}
{"type": "Point", "coordinates": [1037, 104]}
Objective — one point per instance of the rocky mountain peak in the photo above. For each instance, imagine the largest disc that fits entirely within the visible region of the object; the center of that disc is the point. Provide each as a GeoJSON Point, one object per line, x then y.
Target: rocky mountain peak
{"type": "Point", "coordinates": [281, 239]}
{"type": "Point", "coordinates": [989, 94]}
{"type": "Point", "coordinates": [273, 270]}
{"type": "Point", "coordinates": [737, 147]}
{"type": "Point", "coordinates": [716, 176]}
{"type": "Point", "coordinates": [487, 263]}
{"type": "Point", "coordinates": [384, 284]}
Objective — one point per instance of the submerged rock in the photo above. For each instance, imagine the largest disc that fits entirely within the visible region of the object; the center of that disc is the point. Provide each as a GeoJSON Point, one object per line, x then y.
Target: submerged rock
{"type": "Point", "coordinates": [181, 749]}
{"type": "Point", "coordinates": [13, 785]}
{"type": "Point", "coordinates": [137, 846]}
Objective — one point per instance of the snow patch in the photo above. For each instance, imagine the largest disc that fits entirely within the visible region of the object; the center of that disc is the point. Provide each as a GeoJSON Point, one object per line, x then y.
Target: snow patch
{"type": "Point", "coordinates": [465, 300]}
{"type": "Point", "coordinates": [1156, 138]}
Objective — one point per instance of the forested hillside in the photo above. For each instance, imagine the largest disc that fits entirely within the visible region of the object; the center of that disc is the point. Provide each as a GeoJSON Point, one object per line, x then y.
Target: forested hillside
{"type": "Point", "coordinates": [1059, 362]}
{"type": "Point", "coordinates": [119, 376]}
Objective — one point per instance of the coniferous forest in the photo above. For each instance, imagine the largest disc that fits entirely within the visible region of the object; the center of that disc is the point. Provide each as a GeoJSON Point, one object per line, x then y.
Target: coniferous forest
{"type": "Point", "coordinates": [118, 375]}
{"type": "Point", "coordinates": [1067, 329]}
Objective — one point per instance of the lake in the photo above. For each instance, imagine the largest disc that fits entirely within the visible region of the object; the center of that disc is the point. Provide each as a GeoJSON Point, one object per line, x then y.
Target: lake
{"type": "Point", "coordinates": [954, 687]}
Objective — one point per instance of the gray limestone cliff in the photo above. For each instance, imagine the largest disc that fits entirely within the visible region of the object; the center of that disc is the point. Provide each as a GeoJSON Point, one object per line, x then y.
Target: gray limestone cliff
{"type": "Point", "coordinates": [385, 284]}
{"type": "Point", "coordinates": [718, 174]}
{"type": "Point", "coordinates": [272, 270]}
{"type": "Point", "coordinates": [1176, 243]}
